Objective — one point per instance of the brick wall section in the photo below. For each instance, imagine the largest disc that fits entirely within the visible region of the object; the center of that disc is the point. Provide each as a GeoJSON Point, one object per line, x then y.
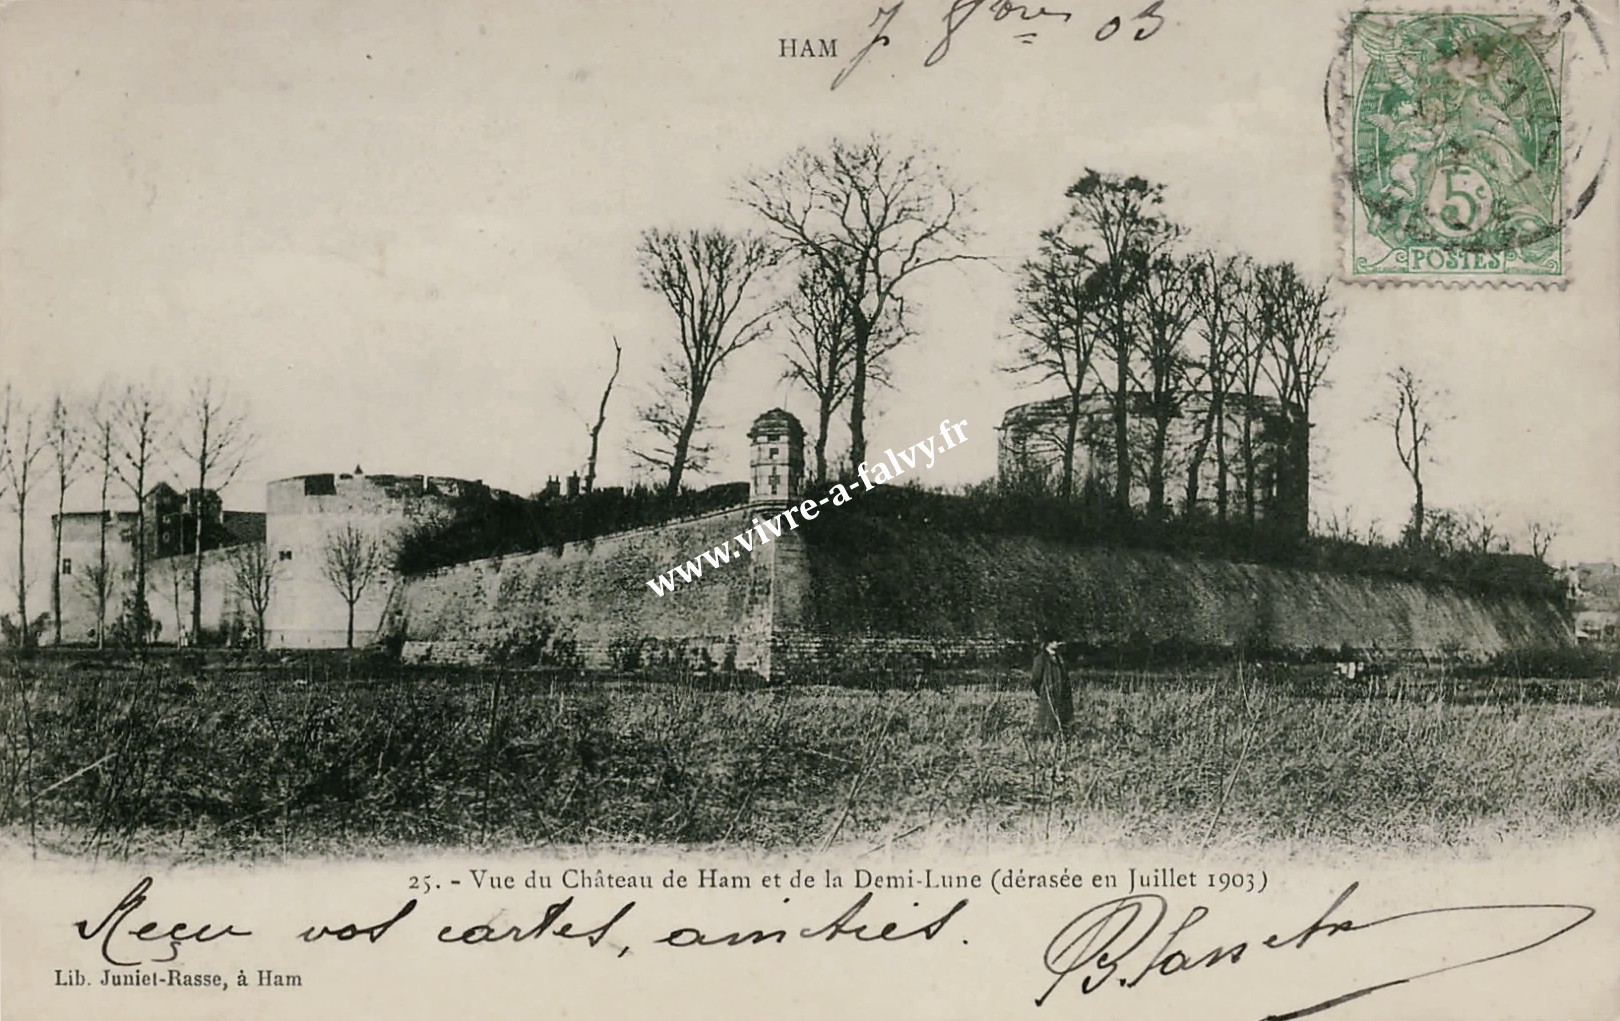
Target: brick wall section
{"type": "Point", "coordinates": [802, 610]}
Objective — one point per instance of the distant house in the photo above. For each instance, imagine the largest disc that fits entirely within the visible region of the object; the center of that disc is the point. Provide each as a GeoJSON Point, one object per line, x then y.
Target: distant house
{"type": "Point", "coordinates": [97, 569]}
{"type": "Point", "coordinates": [1597, 601]}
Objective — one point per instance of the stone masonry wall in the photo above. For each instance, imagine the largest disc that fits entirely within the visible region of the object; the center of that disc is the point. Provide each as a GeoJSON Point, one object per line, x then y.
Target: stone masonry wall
{"type": "Point", "coordinates": [984, 599]}
{"type": "Point", "coordinates": [589, 603]}
{"type": "Point", "coordinates": [805, 610]}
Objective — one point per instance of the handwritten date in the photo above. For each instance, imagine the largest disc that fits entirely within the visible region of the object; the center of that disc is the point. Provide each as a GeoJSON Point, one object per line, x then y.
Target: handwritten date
{"type": "Point", "coordinates": [1027, 17]}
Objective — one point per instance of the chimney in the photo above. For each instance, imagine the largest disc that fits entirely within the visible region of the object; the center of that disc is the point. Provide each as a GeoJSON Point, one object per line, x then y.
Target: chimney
{"type": "Point", "coordinates": [573, 483]}
{"type": "Point", "coordinates": [553, 486]}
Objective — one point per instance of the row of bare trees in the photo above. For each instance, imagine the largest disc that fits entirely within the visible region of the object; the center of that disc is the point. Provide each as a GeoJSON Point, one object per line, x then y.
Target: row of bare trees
{"type": "Point", "coordinates": [1112, 306]}
{"type": "Point", "coordinates": [119, 439]}
{"type": "Point", "coordinates": [1115, 307]}
{"type": "Point", "coordinates": [842, 231]}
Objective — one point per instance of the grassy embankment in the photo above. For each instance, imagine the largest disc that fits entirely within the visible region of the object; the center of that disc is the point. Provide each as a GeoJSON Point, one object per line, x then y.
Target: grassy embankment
{"type": "Point", "coordinates": [301, 759]}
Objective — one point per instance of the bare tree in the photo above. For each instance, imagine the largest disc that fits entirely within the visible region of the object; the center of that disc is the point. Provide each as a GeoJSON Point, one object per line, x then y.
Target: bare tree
{"type": "Point", "coordinates": [101, 447]}
{"type": "Point", "coordinates": [1540, 535]}
{"type": "Point", "coordinates": [215, 440]}
{"type": "Point", "coordinates": [820, 348]}
{"type": "Point", "coordinates": [601, 417]}
{"type": "Point", "coordinates": [169, 579]}
{"type": "Point", "coordinates": [351, 559]}
{"type": "Point", "coordinates": [98, 583]}
{"type": "Point", "coordinates": [1059, 322]}
{"type": "Point", "coordinates": [140, 430]}
{"type": "Point", "coordinates": [1470, 530]}
{"type": "Point", "coordinates": [22, 442]}
{"type": "Point", "coordinates": [1119, 215]}
{"type": "Point", "coordinates": [253, 579]}
{"type": "Point", "coordinates": [65, 441]}
{"type": "Point", "coordinates": [1410, 414]}
{"type": "Point", "coordinates": [1215, 288]}
{"type": "Point", "coordinates": [1165, 304]}
{"type": "Point", "coordinates": [1299, 329]}
{"type": "Point", "coordinates": [705, 277]}
{"type": "Point", "coordinates": [869, 218]}
{"type": "Point", "coordinates": [1248, 373]}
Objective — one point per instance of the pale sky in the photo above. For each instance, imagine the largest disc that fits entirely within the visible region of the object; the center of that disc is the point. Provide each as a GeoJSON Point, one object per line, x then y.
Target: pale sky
{"type": "Point", "coordinates": [403, 232]}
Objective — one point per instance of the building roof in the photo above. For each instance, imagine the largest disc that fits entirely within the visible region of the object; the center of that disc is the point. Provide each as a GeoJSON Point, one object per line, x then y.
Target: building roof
{"type": "Point", "coordinates": [776, 420]}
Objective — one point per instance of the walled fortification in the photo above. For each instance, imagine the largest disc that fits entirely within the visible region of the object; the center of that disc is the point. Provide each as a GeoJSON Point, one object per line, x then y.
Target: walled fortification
{"type": "Point", "coordinates": [798, 608]}
{"type": "Point", "coordinates": [304, 513]}
{"type": "Point", "coordinates": [588, 603]}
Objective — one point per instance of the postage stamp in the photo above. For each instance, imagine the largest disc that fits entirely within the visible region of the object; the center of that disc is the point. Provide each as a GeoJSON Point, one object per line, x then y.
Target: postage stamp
{"type": "Point", "coordinates": [1455, 146]}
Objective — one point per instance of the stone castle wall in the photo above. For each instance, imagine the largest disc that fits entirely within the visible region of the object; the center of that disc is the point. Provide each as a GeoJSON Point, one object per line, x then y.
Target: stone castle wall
{"type": "Point", "coordinates": [588, 603]}
{"type": "Point", "coordinates": [796, 609]}
{"type": "Point", "coordinates": [306, 609]}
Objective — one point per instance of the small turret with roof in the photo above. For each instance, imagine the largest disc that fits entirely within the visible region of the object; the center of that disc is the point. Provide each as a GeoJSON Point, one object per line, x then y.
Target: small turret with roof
{"type": "Point", "coordinates": [775, 458]}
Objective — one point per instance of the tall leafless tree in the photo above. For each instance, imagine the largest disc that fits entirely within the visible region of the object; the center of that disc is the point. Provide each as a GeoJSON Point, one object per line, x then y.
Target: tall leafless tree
{"type": "Point", "coordinates": [141, 430]}
{"type": "Point", "coordinates": [1248, 376]}
{"type": "Point", "coordinates": [1216, 286]}
{"type": "Point", "coordinates": [1059, 323]}
{"type": "Point", "coordinates": [100, 444]}
{"type": "Point", "coordinates": [352, 558]}
{"type": "Point", "coordinates": [820, 348]}
{"type": "Point", "coordinates": [870, 218]}
{"type": "Point", "coordinates": [601, 417]}
{"type": "Point", "coordinates": [253, 579]}
{"type": "Point", "coordinates": [707, 278]}
{"type": "Point", "coordinates": [1299, 327]}
{"type": "Point", "coordinates": [1410, 411]}
{"type": "Point", "coordinates": [22, 442]}
{"type": "Point", "coordinates": [1165, 305]}
{"type": "Point", "coordinates": [64, 438]}
{"type": "Point", "coordinates": [1120, 217]}
{"type": "Point", "coordinates": [216, 442]}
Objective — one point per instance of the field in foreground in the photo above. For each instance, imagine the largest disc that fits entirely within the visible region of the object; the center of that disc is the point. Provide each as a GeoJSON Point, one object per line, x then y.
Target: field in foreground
{"type": "Point", "coordinates": [178, 763]}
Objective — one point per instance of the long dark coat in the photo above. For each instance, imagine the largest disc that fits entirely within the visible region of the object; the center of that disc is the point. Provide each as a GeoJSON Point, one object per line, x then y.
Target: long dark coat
{"type": "Point", "coordinates": [1054, 696]}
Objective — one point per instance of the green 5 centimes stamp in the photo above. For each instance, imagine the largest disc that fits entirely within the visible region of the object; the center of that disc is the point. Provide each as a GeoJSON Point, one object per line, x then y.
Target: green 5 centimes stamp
{"type": "Point", "coordinates": [1455, 145]}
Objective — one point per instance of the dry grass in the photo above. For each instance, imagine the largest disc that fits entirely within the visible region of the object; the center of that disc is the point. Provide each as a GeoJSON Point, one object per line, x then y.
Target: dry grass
{"type": "Point", "coordinates": [240, 762]}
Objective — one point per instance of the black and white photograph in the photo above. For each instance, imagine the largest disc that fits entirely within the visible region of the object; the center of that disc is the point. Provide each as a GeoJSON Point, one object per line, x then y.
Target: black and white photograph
{"type": "Point", "coordinates": [931, 508]}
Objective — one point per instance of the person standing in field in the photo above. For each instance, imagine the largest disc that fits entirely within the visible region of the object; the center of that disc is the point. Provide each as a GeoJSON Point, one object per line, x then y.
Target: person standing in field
{"type": "Point", "coordinates": [1054, 697]}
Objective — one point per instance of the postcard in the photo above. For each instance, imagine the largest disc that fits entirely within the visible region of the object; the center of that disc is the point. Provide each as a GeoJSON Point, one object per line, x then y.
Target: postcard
{"type": "Point", "coordinates": [874, 508]}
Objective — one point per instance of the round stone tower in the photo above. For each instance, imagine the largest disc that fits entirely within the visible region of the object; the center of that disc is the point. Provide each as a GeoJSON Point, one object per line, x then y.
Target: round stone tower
{"type": "Point", "coordinates": [776, 458]}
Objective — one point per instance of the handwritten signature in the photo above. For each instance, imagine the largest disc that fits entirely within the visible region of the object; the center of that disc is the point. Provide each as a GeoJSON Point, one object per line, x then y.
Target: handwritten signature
{"type": "Point", "coordinates": [1106, 946]}
{"type": "Point", "coordinates": [1102, 944]}
{"type": "Point", "coordinates": [957, 17]}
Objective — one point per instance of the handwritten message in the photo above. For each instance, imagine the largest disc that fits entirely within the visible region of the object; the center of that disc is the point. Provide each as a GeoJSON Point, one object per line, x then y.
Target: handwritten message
{"type": "Point", "coordinates": [1094, 930]}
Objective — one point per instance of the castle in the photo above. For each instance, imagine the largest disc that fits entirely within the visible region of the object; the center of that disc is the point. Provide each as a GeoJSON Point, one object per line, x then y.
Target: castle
{"type": "Point", "coordinates": [287, 545]}
{"type": "Point", "coordinates": [804, 605]}
{"type": "Point", "coordinates": [287, 548]}
{"type": "Point", "coordinates": [1247, 458]}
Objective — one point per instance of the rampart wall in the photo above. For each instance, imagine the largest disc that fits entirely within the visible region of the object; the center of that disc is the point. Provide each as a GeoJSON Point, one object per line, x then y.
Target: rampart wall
{"type": "Point", "coordinates": [797, 609]}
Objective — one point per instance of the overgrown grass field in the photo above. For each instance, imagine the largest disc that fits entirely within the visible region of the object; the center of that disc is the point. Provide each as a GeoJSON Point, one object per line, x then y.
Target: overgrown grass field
{"type": "Point", "coordinates": [181, 761]}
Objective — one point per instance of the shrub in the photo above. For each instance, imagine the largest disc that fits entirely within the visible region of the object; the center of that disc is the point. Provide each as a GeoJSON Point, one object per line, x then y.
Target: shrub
{"type": "Point", "coordinates": [509, 525]}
